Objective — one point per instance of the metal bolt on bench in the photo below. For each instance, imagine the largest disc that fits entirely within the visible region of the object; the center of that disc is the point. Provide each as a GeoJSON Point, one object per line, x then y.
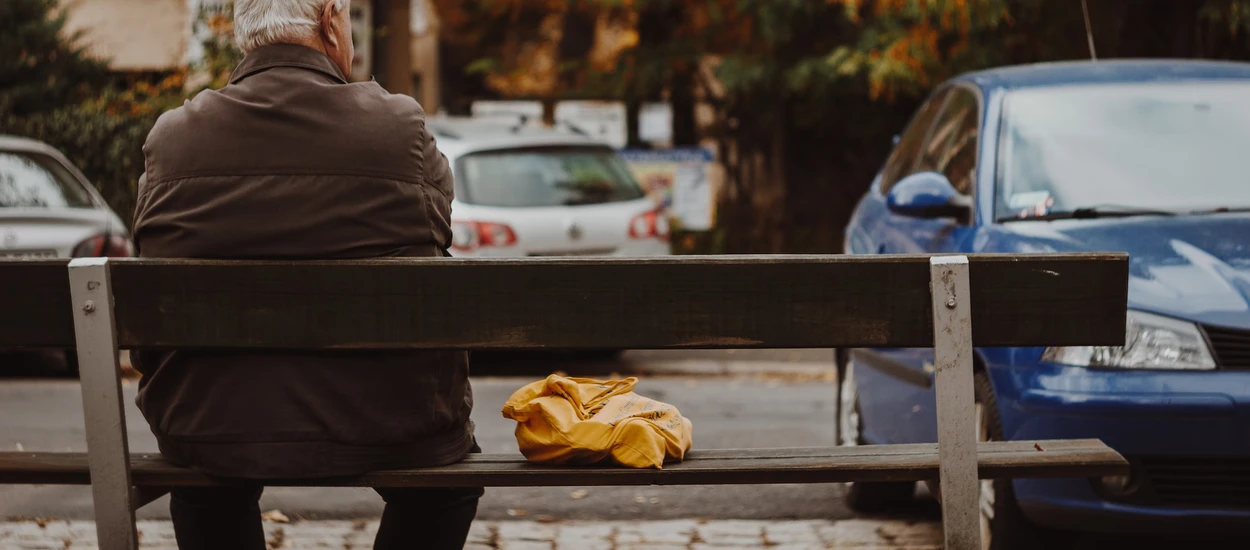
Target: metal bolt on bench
{"type": "Point", "coordinates": [693, 302]}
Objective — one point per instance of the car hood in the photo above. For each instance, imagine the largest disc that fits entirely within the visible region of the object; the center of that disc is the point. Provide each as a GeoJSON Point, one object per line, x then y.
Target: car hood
{"type": "Point", "coordinates": [1191, 267]}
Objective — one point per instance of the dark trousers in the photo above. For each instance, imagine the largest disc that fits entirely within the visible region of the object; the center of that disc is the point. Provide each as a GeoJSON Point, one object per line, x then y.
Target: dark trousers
{"type": "Point", "coordinates": [217, 518]}
{"type": "Point", "coordinates": [228, 517]}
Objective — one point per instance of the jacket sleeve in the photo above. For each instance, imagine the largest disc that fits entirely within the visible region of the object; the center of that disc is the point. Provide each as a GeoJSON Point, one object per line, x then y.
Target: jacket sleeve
{"type": "Point", "coordinates": [438, 176]}
{"type": "Point", "coordinates": [437, 168]}
{"type": "Point", "coordinates": [136, 217]}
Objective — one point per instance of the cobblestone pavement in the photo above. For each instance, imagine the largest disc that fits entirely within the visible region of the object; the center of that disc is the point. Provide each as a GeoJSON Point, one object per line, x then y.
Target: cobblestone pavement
{"type": "Point", "coordinates": [854, 534]}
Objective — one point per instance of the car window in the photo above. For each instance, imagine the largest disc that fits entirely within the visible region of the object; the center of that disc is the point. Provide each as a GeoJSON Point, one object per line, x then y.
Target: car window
{"type": "Point", "coordinates": [534, 177]}
{"type": "Point", "coordinates": [952, 145]}
{"type": "Point", "coordinates": [1148, 146]}
{"type": "Point", "coordinates": [901, 160]}
{"type": "Point", "coordinates": [38, 181]}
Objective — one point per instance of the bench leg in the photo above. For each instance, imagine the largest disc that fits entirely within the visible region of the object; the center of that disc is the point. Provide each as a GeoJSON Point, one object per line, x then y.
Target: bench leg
{"type": "Point", "coordinates": [960, 489]}
{"type": "Point", "coordinates": [108, 454]}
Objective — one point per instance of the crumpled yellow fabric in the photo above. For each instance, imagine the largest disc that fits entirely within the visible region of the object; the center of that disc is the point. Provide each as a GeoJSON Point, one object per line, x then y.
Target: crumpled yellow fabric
{"type": "Point", "coordinates": [564, 420]}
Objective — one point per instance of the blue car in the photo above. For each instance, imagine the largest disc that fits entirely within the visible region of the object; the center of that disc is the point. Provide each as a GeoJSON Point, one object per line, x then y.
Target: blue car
{"type": "Point", "coordinates": [1146, 157]}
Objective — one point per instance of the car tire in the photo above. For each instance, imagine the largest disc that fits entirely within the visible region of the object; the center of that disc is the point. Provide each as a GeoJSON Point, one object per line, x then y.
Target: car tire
{"type": "Point", "coordinates": [1003, 525]}
{"type": "Point", "coordinates": [864, 497]}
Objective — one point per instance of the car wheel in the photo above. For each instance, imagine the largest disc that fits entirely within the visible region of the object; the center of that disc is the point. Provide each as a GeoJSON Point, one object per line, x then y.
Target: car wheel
{"type": "Point", "coordinates": [865, 497]}
{"type": "Point", "coordinates": [1003, 525]}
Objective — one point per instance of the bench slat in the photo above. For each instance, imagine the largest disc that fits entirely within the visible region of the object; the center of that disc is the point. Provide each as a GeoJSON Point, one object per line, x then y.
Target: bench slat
{"type": "Point", "coordinates": [34, 304]}
{"type": "Point", "coordinates": [686, 302]}
{"type": "Point", "coordinates": [916, 462]}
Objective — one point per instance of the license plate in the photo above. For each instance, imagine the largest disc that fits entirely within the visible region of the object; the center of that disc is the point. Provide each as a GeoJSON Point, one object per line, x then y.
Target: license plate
{"type": "Point", "coordinates": [27, 253]}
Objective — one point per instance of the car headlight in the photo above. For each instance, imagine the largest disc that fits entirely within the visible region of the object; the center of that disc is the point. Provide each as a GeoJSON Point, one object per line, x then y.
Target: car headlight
{"type": "Point", "coordinates": [1151, 342]}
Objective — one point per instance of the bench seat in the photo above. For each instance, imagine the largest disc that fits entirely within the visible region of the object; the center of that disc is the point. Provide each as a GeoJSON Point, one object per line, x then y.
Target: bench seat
{"type": "Point", "coordinates": [914, 462]}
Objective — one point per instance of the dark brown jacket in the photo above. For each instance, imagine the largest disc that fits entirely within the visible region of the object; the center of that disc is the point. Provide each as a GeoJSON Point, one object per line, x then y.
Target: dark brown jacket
{"type": "Point", "coordinates": [289, 161]}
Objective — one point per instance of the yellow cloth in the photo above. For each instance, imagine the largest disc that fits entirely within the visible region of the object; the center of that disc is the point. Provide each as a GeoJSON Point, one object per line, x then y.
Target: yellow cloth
{"type": "Point", "coordinates": [584, 421]}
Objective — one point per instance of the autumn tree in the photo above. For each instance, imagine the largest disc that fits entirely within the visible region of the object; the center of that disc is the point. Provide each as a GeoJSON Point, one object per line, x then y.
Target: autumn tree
{"type": "Point", "coordinates": [807, 92]}
{"type": "Point", "coordinates": [42, 66]}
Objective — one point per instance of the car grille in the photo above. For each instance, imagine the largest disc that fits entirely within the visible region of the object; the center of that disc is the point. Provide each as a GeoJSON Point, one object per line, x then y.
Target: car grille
{"type": "Point", "coordinates": [1231, 346]}
{"type": "Point", "coordinates": [1199, 482]}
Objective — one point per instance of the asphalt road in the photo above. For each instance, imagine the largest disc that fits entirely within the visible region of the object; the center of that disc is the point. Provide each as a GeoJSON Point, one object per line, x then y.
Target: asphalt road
{"type": "Point", "coordinates": [739, 399]}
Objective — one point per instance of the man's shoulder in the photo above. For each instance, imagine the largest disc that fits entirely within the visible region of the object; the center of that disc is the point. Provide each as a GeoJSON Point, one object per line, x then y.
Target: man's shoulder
{"type": "Point", "coordinates": [165, 129]}
{"type": "Point", "coordinates": [170, 123]}
{"type": "Point", "coordinates": [380, 102]}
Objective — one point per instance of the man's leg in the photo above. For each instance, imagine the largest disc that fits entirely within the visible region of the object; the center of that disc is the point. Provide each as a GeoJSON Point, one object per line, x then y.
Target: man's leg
{"type": "Point", "coordinates": [431, 518]}
{"type": "Point", "coordinates": [213, 518]}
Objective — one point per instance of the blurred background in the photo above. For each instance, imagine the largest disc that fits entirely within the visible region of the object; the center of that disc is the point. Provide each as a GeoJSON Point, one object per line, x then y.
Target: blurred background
{"type": "Point", "coordinates": [766, 118]}
{"type": "Point", "coordinates": [655, 127]}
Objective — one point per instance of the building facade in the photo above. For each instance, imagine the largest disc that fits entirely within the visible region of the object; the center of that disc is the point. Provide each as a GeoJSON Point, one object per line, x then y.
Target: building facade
{"type": "Point", "coordinates": [154, 36]}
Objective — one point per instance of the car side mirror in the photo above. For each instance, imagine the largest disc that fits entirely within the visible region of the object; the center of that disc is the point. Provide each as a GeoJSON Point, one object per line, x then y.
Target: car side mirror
{"type": "Point", "coordinates": [928, 195]}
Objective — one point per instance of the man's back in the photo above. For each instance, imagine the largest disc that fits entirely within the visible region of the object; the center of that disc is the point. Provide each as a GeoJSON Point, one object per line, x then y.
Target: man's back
{"type": "Point", "coordinates": [303, 164]}
{"type": "Point", "coordinates": [291, 162]}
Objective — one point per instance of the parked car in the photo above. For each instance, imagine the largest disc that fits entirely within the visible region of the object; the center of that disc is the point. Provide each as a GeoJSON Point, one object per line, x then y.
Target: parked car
{"type": "Point", "coordinates": [1145, 157]}
{"type": "Point", "coordinates": [48, 209]}
{"type": "Point", "coordinates": [527, 191]}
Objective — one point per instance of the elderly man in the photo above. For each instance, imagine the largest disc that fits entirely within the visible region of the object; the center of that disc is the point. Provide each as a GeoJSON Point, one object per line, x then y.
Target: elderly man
{"type": "Point", "coordinates": [291, 161]}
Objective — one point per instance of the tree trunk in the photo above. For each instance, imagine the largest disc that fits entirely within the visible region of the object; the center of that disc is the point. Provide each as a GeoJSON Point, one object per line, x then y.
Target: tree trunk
{"type": "Point", "coordinates": [632, 140]}
{"type": "Point", "coordinates": [681, 94]}
{"type": "Point", "coordinates": [399, 47]}
{"type": "Point", "coordinates": [777, 186]}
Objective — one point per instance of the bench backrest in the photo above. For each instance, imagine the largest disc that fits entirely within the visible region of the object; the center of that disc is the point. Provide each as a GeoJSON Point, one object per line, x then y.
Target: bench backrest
{"type": "Point", "coordinates": [34, 304]}
{"type": "Point", "coordinates": [688, 302]}
{"type": "Point", "coordinates": [699, 302]}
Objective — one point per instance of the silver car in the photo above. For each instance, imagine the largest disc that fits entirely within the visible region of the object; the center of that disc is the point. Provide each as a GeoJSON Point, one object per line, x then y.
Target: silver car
{"type": "Point", "coordinates": [49, 210]}
{"type": "Point", "coordinates": [525, 191]}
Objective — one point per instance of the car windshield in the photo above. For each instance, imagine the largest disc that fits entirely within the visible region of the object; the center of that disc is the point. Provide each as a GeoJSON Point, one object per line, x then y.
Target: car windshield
{"type": "Point", "coordinates": [546, 177]}
{"type": "Point", "coordinates": [1125, 147]}
{"type": "Point", "coordinates": [35, 181]}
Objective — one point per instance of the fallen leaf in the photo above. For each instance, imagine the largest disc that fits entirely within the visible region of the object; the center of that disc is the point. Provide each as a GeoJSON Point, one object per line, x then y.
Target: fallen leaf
{"type": "Point", "coordinates": [20, 448]}
{"type": "Point", "coordinates": [578, 494]}
{"type": "Point", "coordinates": [277, 540]}
{"type": "Point", "coordinates": [275, 516]}
{"type": "Point", "coordinates": [517, 512]}
{"type": "Point", "coordinates": [1038, 446]}
{"type": "Point", "coordinates": [545, 519]}
{"type": "Point", "coordinates": [640, 499]}
{"type": "Point", "coordinates": [655, 500]}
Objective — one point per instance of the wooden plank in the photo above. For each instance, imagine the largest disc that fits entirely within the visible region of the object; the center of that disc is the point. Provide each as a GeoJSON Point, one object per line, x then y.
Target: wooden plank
{"type": "Point", "coordinates": [34, 304]}
{"type": "Point", "coordinates": [687, 302]}
{"type": "Point", "coordinates": [105, 418]}
{"type": "Point", "coordinates": [960, 490]}
{"type": "Point", "coordinates": [1012, 459]}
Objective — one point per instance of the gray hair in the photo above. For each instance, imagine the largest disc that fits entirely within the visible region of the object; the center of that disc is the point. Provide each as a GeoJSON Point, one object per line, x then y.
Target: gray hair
{"type": "Point", "coordinates": [262, 22]}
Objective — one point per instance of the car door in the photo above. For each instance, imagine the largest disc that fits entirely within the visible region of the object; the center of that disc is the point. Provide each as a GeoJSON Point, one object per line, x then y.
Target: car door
{"type": "Point", "coordinates": [896, 384]}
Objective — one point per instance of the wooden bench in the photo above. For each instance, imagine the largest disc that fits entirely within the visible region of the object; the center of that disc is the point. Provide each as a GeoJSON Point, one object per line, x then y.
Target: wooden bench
{"type": "Point", "coordinates": [99, 305]}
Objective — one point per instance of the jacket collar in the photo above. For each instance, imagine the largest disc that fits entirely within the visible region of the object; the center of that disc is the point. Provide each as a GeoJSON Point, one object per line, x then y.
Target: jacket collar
{"type": "Point", "coordinates": [286, 55]}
